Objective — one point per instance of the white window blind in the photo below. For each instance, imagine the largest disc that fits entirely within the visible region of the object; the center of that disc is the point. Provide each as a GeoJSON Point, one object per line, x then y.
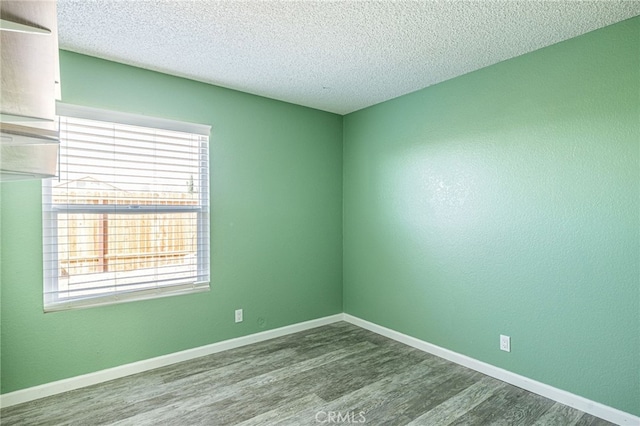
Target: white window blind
{"type": "Point", "coordinates": [128, 217]}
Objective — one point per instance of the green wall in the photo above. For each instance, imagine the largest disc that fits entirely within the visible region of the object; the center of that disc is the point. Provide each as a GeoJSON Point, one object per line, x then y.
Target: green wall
{"type": "Point", "coordinates": [276, 190]}
{"type": "Point", "coordinates": [505, 201]}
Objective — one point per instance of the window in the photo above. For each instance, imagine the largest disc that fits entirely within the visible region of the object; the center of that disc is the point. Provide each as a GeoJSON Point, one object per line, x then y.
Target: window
{"type": "Point", "coordinates": [128, 217]}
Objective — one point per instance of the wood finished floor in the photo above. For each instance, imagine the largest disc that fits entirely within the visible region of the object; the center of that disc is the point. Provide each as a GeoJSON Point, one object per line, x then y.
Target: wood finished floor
{"type": "Point", "coordinates": [334, 374]}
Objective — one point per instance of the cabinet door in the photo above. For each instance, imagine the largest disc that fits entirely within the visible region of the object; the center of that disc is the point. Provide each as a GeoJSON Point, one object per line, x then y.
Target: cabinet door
{"type": "Point", "coordinates": [28, 61]}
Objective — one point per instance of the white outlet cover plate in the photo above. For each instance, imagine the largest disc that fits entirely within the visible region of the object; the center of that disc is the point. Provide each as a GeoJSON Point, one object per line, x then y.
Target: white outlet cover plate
{"type": "Point", "coordinates": [505, 343]}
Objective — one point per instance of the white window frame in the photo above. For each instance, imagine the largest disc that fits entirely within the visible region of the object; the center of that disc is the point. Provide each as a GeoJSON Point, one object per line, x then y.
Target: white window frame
{"type": "Point", "coordinates": [51, 299]}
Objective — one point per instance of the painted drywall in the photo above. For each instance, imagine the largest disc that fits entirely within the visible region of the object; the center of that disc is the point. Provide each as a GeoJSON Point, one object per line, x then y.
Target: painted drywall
{"type": "Point", "coordinates": [506, 202]}
{"type": "Point", "coordinates": [276, 191]}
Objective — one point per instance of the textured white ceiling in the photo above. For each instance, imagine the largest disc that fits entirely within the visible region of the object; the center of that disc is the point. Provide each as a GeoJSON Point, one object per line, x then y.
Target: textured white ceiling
{"type": "Point", "coordinates": [337, 56]}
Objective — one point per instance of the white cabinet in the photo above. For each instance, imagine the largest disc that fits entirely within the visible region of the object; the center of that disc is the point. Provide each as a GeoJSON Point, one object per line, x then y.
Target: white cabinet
{"type": "Point", "coordinates": [30, 69]}
{"type": "Point", "coordinates": [29, 86]}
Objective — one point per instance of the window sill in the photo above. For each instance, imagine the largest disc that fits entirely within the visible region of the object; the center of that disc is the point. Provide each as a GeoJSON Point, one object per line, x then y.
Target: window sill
{"type": "Point", "coordinates": [118, 298]}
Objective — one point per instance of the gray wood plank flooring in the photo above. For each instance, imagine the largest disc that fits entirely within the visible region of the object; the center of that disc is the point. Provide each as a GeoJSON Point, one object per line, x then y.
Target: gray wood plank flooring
{"type": "Point", "coordinates": [334, 374]}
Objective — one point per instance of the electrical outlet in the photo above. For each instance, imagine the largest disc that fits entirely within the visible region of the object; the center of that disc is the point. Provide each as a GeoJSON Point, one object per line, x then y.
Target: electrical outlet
{"type": "Point", "coordinates": [238, 315]}
{"type": "Point", "coordinates": [505, 343]}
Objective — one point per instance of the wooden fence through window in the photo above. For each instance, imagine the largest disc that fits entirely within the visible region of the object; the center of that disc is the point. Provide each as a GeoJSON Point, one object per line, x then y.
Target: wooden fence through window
{"type": "Point", "coordinates": [114, 242]}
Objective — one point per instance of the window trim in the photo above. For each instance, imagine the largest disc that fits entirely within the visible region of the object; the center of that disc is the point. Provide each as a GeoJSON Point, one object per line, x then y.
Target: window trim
{"type": "Point", "coordinates": [50, 280]}
{"type": "Point", "coordinates": [90, 113]}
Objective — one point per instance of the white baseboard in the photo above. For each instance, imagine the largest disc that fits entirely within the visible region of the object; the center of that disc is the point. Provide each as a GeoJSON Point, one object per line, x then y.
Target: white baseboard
{"type": "Point", "coordinates": [583, 404]}
{"type": "Point", "coordinates": [65, 385]}
{"type": "Point", "coordinates": [594, 408]}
